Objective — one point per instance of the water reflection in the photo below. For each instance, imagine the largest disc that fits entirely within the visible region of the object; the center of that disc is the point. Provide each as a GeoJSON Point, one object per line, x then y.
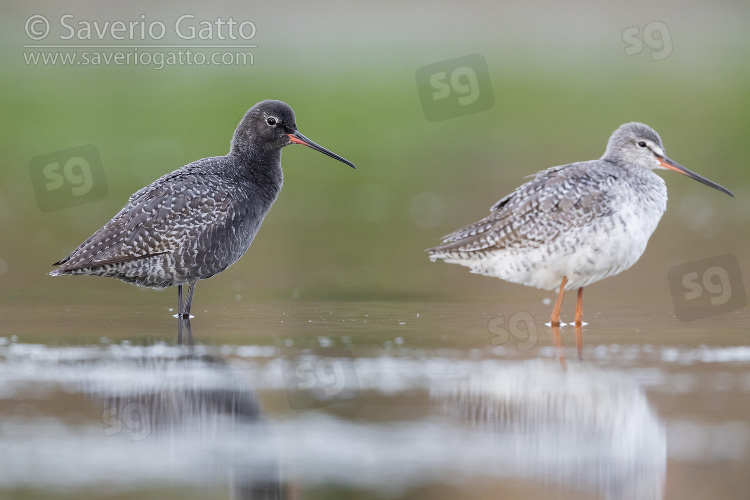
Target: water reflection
{"type": "Point", "coordinates": [184, 332]}
{"type": "Point", "coordinates": [194, 414]}
{"type": "Point", "coordinates": [557, 341]}
{"type": "Point", "coordinates": [398, 421]}
{"type": "Point", "coordinates": [581, 428]}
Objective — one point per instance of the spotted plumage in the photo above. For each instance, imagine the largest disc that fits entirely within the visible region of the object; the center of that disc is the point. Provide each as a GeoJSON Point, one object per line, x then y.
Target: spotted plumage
{"type": "Point", "coordinates": [573, 224]}
{"type": "Point", "coordinates": [200, 219]}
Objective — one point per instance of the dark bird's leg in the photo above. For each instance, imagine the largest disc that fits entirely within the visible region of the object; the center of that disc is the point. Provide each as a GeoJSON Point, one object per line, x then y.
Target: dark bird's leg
{"type": "Point", "coordinates": [555, 320]}
{"type": "Point", "coordinates": [191, 289]}
{"type": "Point", "coordinates": [179, 301]}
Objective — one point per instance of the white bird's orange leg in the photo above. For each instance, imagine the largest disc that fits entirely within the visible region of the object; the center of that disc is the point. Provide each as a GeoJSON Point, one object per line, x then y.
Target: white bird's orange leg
{"type": "Point", "coordinates": [579, 307]}
{"type": "Point", "coordinates": [555, 320]}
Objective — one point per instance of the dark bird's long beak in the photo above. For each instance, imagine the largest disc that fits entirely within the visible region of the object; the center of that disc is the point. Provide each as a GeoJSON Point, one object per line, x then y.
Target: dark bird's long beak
{"type": "Point", "coordinates": [673, 165]}
{"type": "Point", "coordinates": [301, 139]}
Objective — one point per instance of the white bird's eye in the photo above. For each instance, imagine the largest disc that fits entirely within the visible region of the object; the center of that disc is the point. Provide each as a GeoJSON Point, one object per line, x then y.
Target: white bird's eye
{"type": "Point", "coordinates": [271, 121]}
{"type": "Point", "coordinates": [642, 144]}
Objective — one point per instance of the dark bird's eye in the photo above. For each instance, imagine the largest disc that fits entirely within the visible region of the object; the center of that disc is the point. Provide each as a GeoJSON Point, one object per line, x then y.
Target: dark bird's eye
{"type": "Point", "coordinates": [271, 121]}
{"type": "Point", "coordinates": [642, 144]}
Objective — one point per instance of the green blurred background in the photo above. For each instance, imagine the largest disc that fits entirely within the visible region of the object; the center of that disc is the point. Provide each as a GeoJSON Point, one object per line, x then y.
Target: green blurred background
{"type": "Point", "coordinates": [561, 79]}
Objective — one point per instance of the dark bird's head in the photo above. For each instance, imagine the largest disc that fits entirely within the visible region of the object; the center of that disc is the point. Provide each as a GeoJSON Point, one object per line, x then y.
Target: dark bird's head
{"type": "Point", "coordinates": [269, 126]}
{"type": "Point", "coordinates": [638, 145]}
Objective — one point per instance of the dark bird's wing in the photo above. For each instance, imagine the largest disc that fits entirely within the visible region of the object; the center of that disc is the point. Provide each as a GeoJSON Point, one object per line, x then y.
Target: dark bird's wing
{"type": "Point", "coordinates": [160, 218]}
{"type": "Point", "coordinates": [556, 200]}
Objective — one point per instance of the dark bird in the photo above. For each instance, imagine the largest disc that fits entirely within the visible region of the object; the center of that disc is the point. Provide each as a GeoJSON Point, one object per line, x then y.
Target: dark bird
{"type": "Point", "coordinates": [198, 220]}
{"type": "Point", "coordinates": [573, 224]}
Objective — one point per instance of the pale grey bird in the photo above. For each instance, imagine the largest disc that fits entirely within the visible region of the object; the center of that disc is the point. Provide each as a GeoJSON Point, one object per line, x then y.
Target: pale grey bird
{"type": "Point", "coordinates": [573, 224]}
{"type": "Point", "coordinates": [198, 220]}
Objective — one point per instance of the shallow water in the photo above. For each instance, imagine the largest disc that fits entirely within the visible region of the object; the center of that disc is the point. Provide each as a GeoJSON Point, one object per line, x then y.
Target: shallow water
{"type": "Point", "coordinates": [403, 399]}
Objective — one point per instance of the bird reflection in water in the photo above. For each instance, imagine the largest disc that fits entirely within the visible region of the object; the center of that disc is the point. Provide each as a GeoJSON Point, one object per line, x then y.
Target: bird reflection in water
{"type": "Point", "coordinates": [582, 429]}
{"type": "Point", "coordinates": [197, 412]}
{"type": "Point", "coordinates": [184, 332]}
{"type": "Point", "coordinates": [557, 340]}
